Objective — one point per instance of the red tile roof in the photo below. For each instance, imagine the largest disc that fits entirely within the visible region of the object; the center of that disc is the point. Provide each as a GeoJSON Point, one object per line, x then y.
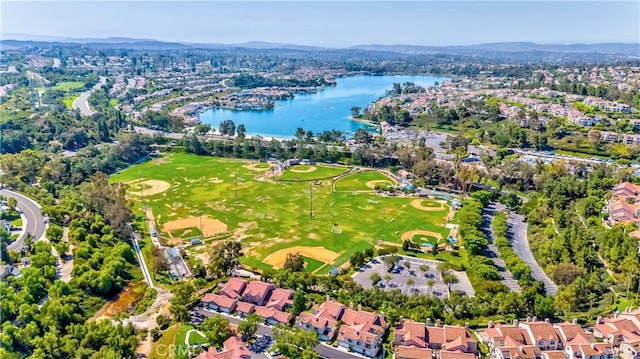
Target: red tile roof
{"type": "Point", "coordinates": [280, 299]}
{"type": "Point", "coordinates": [219, 300]}
{"type": "Point", "coordinates": [258, 290]}
{"type": "Point", "coordinates": [233, 288]}
{"type": "Point", "coordinates": [243, 307]}
{"type": "Point", "coordinates": [270, 313]}
{"type": "Point", "coordinates": [405, 352]}
{"type": "Point", "coordinates": [233, 349]}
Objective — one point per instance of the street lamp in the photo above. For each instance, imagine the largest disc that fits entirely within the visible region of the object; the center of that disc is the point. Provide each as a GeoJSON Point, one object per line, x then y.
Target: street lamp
{"type": "Point", "coordinates": [310, 200]}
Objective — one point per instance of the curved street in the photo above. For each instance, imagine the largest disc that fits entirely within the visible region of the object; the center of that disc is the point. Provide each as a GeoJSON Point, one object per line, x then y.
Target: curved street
{"type": "Point", "coordinates": [82, 102]}
{"type": "Point", "coordinates": [33, 220]}
{"type": "Point", "coordinates": [517, 234]}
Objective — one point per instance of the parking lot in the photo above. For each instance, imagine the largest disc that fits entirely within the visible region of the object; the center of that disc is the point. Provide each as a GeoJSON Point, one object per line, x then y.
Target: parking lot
{"type": "Point", "coordinates": [397, 279]}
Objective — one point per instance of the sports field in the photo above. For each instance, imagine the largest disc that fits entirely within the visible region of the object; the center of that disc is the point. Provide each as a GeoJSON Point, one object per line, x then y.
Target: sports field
{"type": "Point", "coordinates": [68, 85]}
{"type": "Point", "coordinates": [221, 198]}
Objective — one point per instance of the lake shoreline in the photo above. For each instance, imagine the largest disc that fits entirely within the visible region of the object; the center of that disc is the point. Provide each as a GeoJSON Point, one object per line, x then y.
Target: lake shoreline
{"type": "Point", "coordinates": [328, 108]}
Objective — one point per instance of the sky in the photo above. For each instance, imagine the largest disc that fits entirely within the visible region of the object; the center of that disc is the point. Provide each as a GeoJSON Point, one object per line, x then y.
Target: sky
{"type": "Point", "coordinates": [331, 23]}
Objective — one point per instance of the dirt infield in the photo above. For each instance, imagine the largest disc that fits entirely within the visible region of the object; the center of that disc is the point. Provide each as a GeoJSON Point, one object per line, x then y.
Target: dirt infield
{"type": "Point", "coordinates": [277, 258]}
{"type": "Point", "coordinates": [210, 227]}
{"type": "Point", "coordinates": [407, 236]}
{"type": "Point", "coordinates": [417, 203]}
{"type": "Point", "coordinates": [254, 167]}
{"type": "Point", "coordinates": [299, 170]}
{"type": "Point", "coordinates": [150, 187]}
{"type": "Point", "coordinates": [372, 184]}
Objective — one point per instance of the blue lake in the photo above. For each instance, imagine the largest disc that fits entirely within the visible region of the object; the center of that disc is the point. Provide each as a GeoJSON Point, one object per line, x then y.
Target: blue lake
{"type": "Point", "coordinates": [327, 109]}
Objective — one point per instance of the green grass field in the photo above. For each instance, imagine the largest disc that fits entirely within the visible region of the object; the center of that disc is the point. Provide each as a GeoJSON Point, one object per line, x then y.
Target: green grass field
{"type": "Point", "coordinates": [312, 264]}
{"type": "Point", "coordinates": [68, 85]}
{"type": "Point", "coordinates": [68, 101]}
{"type": "Point", "coordinates": [363, 181]}
{"type": "Point", "coordinates": [271, 216]}
{"type": "Point", "coordinates": [295, 173]}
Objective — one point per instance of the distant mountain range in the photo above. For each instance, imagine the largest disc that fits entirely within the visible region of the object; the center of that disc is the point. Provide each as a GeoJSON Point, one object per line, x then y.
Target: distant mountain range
{"type": "Point", "coordinates": [10, 40]}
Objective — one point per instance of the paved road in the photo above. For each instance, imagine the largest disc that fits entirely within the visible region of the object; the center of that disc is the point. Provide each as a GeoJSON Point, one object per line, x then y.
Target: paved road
{"type": "Point", "coordinates": [492, 250]}
{"type": "Point", "coordinates": [82, 102]}
{"type": "Point", "coordinates": [322, 349]}
{"type": "Point", "coordinates": [517, 235]}
{"type": "Point", "coordinates": [33, 220]}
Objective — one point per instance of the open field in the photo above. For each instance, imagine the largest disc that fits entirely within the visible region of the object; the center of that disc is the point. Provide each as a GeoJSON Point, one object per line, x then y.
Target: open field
{"type": "Point", "coordinates": [272, 218]}
{"type": "Point", "coordinates": [363, 181]}
{"type": "Point", "coordinates": [68, 101]}
{"type": "Point", "coordinates": [68, 85]}
{"type": "Point", "coordinates": [306, 172]}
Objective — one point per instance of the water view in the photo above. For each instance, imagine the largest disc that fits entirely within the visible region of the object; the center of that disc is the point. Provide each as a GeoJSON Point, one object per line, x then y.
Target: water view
{"type": "Point", "coordinates": [327, 109]}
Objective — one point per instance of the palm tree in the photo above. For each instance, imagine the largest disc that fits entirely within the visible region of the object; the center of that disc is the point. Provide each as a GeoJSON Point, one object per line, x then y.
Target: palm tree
{"type": "Point", "coordinates": [592, 298]}
{"type": "Point", "coordinates": [387, 278]}
{"type": "Point", "coordinates": [407, 264]}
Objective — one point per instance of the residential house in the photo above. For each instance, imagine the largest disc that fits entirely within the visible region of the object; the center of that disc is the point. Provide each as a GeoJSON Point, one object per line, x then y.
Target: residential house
{"type": "Point", "coordinates": [362, 331]}
{"type": "Point", "coordinates": [624, 205]}
{"type": "Point", "coordinates": [233, 288]}
{"type": "Point", "coordinates": [542, 334]}
{"type": "Point", "coordinates": [219, 303]}
{"type": "Point", "coordinates": [8, 270]}
{"type": "Point", "coordinates": [630, 349]}
{"type": "Point", "coordinates": [233, 348]}
{"type": "Point", "coordinates": [280, 299]}
{"type": "Point", "coordinates": [411, 352]}
{"type": "Point", "coordinates": [323, 319]}
{"type": "Point", "coordinates": [589, 351]}
{"type": "Point", "coordinates": [244, 309]}
{"type": "Point", "coordinates": [447, 338]}
{"type": "Point", "coordinates": [257, 292]}
{"type": "Point", "coordinates": [273, 316]}
{"type": "Point", "coordinates": [617, 329]}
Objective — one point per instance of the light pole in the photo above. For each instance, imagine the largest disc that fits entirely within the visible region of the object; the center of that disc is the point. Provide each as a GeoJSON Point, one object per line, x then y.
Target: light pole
{"type": "Point", "coordinates": [144, 210]}
{"type": "Point", "coordinates": [200, 218]}
{"type": "Point", "coordinates": [310, 200]}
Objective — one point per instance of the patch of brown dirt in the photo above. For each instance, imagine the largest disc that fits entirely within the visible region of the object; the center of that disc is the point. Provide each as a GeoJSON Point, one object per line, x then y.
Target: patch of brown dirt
{"type": "Point", "coordinates": [417, 203]}
{"type": "Point", "coordinates": [210, 227]}
{"type": "Point", "coordinates": [277, 258]}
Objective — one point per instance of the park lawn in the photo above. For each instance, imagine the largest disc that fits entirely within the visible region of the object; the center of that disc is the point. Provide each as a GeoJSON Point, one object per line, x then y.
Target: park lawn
{"type": "Point", "coordinates": [161, 348]}
{"type": "Point", "coordinates": [68, 85]}
{"type": "Point", "coordinates": [312, 264]}
{"type": "Point", "coordinates": [68, 101]}
{"type": "Point", "coordinates": [271, 216]}
{"type": "Point", "coordinates": [17, 223]}
{"type": "Point", "coordinates": [297, 173]}
{"type": "Point", "coordinates": [358, 181]}
{"type": "Point", "coordinates": [181, 348]}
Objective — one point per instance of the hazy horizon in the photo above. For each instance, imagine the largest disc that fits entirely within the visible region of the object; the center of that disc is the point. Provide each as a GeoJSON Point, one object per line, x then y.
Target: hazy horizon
{"type": "Point", "coordinates": [331, 24]}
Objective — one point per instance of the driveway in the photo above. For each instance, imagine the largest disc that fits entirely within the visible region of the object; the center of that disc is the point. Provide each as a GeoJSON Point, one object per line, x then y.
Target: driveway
{"type": "Point", "coordinates": [517, 235]}
{"type": "Point", "coordinates": [492, 251]}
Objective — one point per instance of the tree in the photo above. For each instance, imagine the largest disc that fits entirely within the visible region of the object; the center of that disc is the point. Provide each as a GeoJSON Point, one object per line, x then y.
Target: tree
{"type": "Point", "coordinates": [224, 258]}
{"type": "Point", "coordinates": [12, 203]}
{"type": "Point", "coordinates": [410, 282]}
{"type": "Point", "coordinates": [391, 261]}
{"type": "Point", "coordinates": [362, 136]}
{"type": "Point", "coordinates": [424, 268]}
{"type": "Point", "coordinates": [241, 131]}
{"type": "Point", "coordinates": [355, 111]}
{"type": "Point", "coordinates": [180, 312]}
{"type": "Point", "coordinates": [375, 278]}
{"type": "Point", "coordinates": [407, 264]}
{"type": "Point", "coordinates": [293, 262]}
{"type": "Point", "coordinates": [431, 283]}
{"type": "Point", "coordinates": [449, 279]}
{"type": "Point", "coordinates": [299, 302]}
{"type": "Point", "coordinates": [592, 298]}
{"type": "Point", "coordinates": [202, 129]}
{"type": "Point", "coordinates": [227, 127]}
{"type": "Point", "coordinates": [216, 329]}
{"type": "Point", "coordinates": [248, 327]}
{"type": "Point", "coordinates": [295, 343]}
